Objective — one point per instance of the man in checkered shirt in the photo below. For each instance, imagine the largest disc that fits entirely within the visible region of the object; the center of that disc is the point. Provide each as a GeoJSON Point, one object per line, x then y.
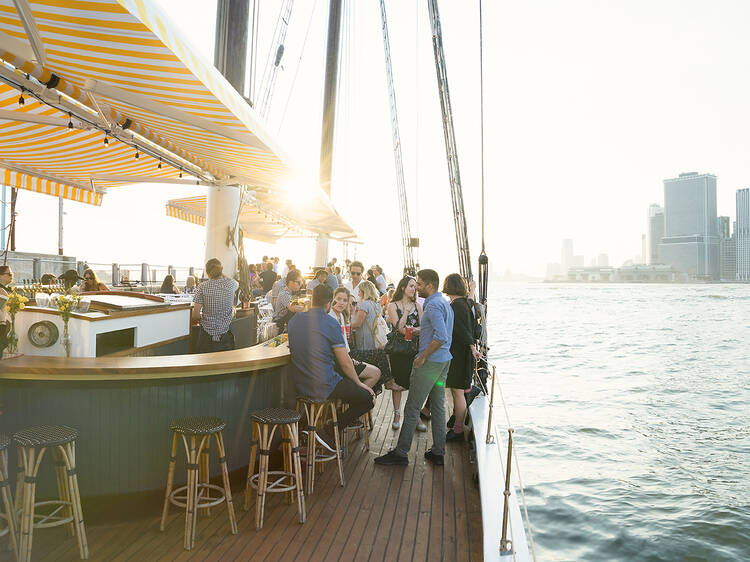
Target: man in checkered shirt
{"type": "Point", "coordinates": [213, 304]}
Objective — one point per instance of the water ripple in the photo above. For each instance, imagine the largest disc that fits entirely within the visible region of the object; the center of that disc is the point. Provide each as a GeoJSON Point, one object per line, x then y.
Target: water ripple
{"type": "Point", "coordinates": [632, 413]}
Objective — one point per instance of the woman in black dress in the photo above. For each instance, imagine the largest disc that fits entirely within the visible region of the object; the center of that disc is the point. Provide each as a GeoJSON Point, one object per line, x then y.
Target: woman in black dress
{"type": "Point", "coordinates": [403, 312]}
{"type": "Point", "coordinates": [463, 350]}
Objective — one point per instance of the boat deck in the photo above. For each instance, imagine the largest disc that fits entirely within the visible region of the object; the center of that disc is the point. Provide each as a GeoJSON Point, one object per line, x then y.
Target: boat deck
{"type": "Point", "coordinates": [417, 512]}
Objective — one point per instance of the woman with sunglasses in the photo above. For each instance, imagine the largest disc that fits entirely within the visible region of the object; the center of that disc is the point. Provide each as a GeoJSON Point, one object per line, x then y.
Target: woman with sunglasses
{"type": "Point", "coordinates": [91, 282]}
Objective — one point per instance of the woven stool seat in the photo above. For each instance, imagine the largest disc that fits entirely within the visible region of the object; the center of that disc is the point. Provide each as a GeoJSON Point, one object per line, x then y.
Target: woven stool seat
{"type": "Point", "coordinates": [198, 425]}
{"type": "Point", "coordinates": [276, 416]}
{"type": "Point", "coordinates": [4, 441]}
{"type": "Point", "coordinates": [45, 436]}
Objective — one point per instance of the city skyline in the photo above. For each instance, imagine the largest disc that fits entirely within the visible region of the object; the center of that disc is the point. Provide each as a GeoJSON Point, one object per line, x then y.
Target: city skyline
{"type": "Point", "coordinates": [686, 234]}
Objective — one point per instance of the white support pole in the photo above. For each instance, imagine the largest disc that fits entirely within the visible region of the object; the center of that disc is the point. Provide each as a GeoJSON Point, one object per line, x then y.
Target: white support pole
{"type": "Point", "coordinates": [60, 227]}
{"type": "Point", "coordinates": [321, 251]}
{"type": "Point", "coordinates": [221, 216]}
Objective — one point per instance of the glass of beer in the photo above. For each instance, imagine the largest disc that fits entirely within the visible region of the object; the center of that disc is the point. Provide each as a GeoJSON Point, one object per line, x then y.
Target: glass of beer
{"type": "Point", "coordinates": [408, 334]}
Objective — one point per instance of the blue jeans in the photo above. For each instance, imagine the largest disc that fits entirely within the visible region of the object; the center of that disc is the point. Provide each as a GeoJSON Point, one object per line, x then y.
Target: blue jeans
{"type": "Point", "coordinates": [428, 380]}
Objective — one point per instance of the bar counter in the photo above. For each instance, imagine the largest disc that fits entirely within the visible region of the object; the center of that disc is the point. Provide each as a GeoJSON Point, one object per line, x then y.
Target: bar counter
{"type": "Point", "coordinates": [122, 407]}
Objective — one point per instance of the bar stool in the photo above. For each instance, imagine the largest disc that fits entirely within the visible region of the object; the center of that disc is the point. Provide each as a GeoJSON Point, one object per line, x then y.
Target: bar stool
{"type": "Point", "coordinates": [314, 410]}
{"type": "Point", "coordinates": [196, 433]}
{"type": "Point", "coordinates": [362, 424]}
{"type": "Point", "coordinates": [264, 424]}
{"type": "Point", "coordinates": [10, 528]}
{"type": "Point", "coordinates": [32, 443]}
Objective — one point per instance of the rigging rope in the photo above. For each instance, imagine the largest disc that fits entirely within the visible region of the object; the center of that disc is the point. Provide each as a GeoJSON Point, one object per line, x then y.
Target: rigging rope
{"type": "Point", "coordinates": [299, 65]}
{"type": "Point", "coordinates": [484, 268]}
{"type": "Point", "coordinates": [457, 199]}
{"type": "Point", "coordinates": [481, 111]}
{"type": "Point", "coordinates": [409, 265]}
{"type": "Point", "coordinates": [275, 53]}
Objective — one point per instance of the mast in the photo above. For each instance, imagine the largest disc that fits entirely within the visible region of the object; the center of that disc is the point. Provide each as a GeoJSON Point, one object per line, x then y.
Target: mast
{"type": "Point", "coordinates": [457, 198]}
{"type": "Point", "coordinates": [406, 240]}
{"type": "Point", "coordinates": [230, 43]}
{"type": "Point", "coordinates": [223, 202]}
{"type": "Point", "coordinates": [329, 114]}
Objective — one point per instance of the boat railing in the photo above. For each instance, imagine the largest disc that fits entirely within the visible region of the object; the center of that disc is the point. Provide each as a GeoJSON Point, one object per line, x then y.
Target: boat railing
{"type": "Point", "coordinates": [143, 273]}
{"type": "Point", "coordinates": [511, 456]}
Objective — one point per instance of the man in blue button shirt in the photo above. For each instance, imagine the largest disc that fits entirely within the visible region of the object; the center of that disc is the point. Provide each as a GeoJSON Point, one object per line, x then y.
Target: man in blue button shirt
{"type": "Point", "coordinates": [318, 355]}
{"type": "Point", "coordinates": [428, 373]}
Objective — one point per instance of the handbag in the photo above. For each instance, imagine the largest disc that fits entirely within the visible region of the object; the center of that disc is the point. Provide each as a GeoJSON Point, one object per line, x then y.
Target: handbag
{"type": "Point", "coordinates": [379, 331]}
{"type": "Point", "coordinates": [397, 344]}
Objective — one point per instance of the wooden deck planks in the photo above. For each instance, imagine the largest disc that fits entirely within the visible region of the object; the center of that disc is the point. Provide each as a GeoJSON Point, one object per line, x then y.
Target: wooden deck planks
{"type": "Point", "coordinates": [417, 512]}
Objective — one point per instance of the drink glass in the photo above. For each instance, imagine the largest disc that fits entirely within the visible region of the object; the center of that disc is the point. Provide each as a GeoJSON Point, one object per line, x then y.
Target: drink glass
{"type": "Point", "coordinates": [408, 334]}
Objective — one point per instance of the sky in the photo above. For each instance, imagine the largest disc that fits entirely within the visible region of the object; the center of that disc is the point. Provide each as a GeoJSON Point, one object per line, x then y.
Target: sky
{"type": "Point", "coordinates": [589, 106]}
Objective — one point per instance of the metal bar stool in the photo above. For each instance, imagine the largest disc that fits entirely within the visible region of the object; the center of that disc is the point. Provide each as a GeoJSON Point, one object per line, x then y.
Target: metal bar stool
{"type": "Point", "coordinates": [196, 435]}
{"type": "Point", "coordinates": [32, 444]}
{"type": "Point", "coordinates": [8, 513]}
{"type": "Point", "coordinates": [264, 424]}
{"type": "Point", "coordinates": [313, 413]}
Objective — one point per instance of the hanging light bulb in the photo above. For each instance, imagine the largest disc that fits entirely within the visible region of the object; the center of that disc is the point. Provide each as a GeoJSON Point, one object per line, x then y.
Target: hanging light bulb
{"type": "Point", "coordinates": [159, 165]}
{"type": "Point", "coordinates": [106, 140]}
{"type": "Point", "coordinates": [21, 101]}
{"type": "Point", "coordinates": [180, 172]}
{"type": "Point", "coordinates": [137, 155]}
{"type": "Point", "coordinates": [70, 121]}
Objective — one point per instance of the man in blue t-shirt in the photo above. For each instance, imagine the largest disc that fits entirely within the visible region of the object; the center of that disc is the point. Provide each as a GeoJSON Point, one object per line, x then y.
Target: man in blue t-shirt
{"type": "Point", "coordinates": [316, 345]}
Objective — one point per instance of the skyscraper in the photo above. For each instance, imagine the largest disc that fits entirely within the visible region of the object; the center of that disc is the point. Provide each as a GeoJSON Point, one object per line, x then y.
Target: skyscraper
{"type": "Point", "coordinates": [727, 250]}
{"type": "Point", "coordinates": [742, 234]}
{"type": "Point", "coordinates": [691, 238]}
{"type": "Point", "coordinates": [655, 233]}
{"type": "Point", "coordinates": [566, 257]}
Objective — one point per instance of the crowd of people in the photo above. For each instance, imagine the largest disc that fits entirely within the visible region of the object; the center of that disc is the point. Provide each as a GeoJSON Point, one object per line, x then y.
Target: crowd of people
{"type": "Point", "coordinates": [366, 335]}
{"type": "Point", "coordinates": [358, 335]}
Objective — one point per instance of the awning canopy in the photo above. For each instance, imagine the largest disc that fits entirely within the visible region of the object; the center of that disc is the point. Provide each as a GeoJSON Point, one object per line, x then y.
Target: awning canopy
{"type": "Point", "coordinates": [123, 71]}
{"type": "Point", "coordinates": [267, 219]}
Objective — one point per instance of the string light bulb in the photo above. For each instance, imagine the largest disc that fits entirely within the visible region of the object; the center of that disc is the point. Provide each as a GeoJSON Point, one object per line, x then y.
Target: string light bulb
{"type": "Point", "coordinates": [137, 155]}
{"type": "Point", "coordinates": [159, 164]}
{"type": "Point", "coordinates": [180, 172]}
{"type": "Point", "coordinates": [70, 121]}
{"type": "Point", "coordinates": [21, 101]}
{"type": "Point", "coordinates": [106, 140]}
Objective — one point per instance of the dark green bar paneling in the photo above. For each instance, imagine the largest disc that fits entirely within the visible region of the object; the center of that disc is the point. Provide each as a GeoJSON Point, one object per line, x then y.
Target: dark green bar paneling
{"type": "Point", "coordinates": [124, 425]}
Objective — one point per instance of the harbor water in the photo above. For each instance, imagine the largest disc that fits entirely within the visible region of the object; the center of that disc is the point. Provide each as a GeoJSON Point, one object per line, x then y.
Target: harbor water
{"type": "Point", "coordinates": [631, 409]}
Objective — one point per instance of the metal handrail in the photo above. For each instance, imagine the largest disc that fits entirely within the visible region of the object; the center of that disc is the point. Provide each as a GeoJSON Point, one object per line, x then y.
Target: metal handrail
{"type": "Point", "coordinates": [506, 544]}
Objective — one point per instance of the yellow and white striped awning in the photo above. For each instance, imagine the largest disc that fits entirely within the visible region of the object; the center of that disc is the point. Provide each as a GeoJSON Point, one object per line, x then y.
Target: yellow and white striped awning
{"type": "Point", "coordinates": [47, 187]}
{"type": "Point", "coordinates": [124, 68]}
{"type": "Point", "coordinates": [268, 219]}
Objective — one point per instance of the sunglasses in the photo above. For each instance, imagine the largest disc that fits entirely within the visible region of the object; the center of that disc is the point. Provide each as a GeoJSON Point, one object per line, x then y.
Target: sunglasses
{"type": "Point", "coordinates": [356, 273]}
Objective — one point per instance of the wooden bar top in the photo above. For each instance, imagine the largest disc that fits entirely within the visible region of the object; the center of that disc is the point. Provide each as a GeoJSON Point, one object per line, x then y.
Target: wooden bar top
{"type": "Point", "coordinates": [31, 367]}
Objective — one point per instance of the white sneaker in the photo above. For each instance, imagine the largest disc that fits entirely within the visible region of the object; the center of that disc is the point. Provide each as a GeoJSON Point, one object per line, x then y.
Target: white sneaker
{"type": "Point", "coordinates": [396, 424]}
{"type": "Point", "coordinates": [421, 426]}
